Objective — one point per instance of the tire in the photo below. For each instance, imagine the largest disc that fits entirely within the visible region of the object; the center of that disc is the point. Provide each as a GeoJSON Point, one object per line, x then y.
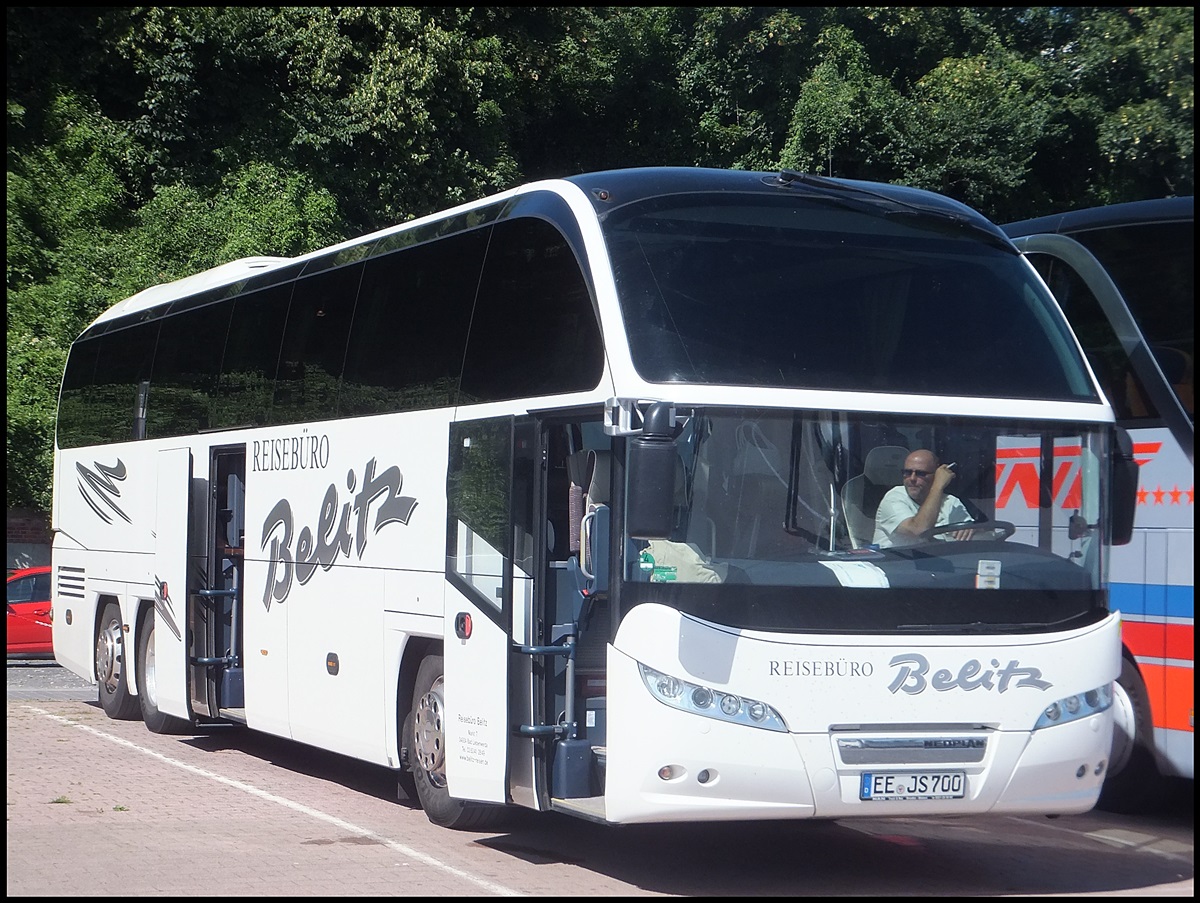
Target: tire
{"type": "Point", "coordinates": [147, 684]}
{"type": "Point", "coordinates": [1133, 783]}
{"type": "Point", "coordinates": [404, 778]}
{"type": "Point", "coordinates": [111, 672]}
{"type": "Point", "coordinates": [428, 756]}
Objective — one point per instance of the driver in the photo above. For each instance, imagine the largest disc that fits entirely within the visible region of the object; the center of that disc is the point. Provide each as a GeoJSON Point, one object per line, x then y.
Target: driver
{"type": "Point", "coordinates": [921, 503]}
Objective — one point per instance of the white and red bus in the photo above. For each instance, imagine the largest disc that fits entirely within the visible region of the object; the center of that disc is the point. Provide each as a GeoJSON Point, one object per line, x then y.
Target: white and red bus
{"type": "Point", "coordinates": [1125, 276]}
{"type": "Point", "coordinates": [563, 499]}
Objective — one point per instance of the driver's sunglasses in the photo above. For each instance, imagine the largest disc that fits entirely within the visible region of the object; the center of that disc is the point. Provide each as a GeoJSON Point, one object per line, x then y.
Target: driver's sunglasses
{"type": "Point", "coordinates": [920, 474]}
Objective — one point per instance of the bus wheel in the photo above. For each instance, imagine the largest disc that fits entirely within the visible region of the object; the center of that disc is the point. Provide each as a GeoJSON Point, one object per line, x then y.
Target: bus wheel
{"type": "Point", "coordinates": [110, 666]}
{"type": "Point", "coordinates": [1133, 783]}
{"type": "Point", "coordinates": [147, 683]}
{"type": "Point", "coordinates": [428, 755]}
{"type": "Point", "coordinates": [404, 778]}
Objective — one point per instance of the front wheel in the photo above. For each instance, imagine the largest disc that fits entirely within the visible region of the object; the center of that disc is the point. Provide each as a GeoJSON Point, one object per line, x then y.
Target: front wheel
{"type": "Point", "coordinates": [1133, 783]}
{"type": "Point", "coordinates": [428, 754]}
{"type": "Point", "coordinates": [111, 671]}
{"type": "Point", "coordinates": [147, 682]}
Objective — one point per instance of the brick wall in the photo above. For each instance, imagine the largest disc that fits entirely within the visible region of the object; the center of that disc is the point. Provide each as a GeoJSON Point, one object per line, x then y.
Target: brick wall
{"type": "Point", "coordinates": [28, 538]}
{"type": "Point", "coordinates": [28, 526]}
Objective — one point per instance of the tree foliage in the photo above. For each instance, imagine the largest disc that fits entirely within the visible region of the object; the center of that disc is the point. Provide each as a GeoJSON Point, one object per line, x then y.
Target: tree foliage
{"type": "Point", "coordinates": [148, 143]}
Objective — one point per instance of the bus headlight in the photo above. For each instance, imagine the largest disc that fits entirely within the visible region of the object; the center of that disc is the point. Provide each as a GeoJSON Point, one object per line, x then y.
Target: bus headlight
{"type": "Point", "coordinates": [1072, 708]}
{"type": "Point", "coordinates": [701, 700]}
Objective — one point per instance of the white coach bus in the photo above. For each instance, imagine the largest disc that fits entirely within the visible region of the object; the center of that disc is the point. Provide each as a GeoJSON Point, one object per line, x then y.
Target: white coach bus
{"type": "Point", "coordinates": [563, 499]}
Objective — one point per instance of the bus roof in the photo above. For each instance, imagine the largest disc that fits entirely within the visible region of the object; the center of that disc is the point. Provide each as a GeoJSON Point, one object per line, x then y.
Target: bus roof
{"type": "Point", "coordinates": [1148, 211]}
{"type": "Point", "coordinates": [226, 273]}
{"type": "Point", "coordinates": [606, 190]}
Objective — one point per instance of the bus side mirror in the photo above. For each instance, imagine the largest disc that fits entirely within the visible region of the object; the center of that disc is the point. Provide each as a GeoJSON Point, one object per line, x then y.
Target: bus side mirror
{"type": "Point", "coordinates": [650, 491]}
{"type": "Point", "coordinates": [1124, 488]}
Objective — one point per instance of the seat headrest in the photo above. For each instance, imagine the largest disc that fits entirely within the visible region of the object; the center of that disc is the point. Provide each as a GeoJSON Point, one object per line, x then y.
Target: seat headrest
{"type": "Point", "coordinates": [884, 465]}
{"type": "Point", "coordinates": [599, 471]}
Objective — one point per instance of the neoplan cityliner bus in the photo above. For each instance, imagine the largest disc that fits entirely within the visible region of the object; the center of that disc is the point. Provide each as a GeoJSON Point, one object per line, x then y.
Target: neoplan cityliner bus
{"type": "Point", "coordinates": [563, 499]}
{"type": "Point", "coordinates": [1125, 276]}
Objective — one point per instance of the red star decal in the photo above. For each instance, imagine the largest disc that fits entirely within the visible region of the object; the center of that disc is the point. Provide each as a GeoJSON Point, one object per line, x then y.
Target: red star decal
{"type": "Point", "coordinates": [1158, 495]}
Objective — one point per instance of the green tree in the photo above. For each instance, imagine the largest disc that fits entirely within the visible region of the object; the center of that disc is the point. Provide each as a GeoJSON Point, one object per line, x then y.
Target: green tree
{"type": "Point", "coordinates": [148, 143]}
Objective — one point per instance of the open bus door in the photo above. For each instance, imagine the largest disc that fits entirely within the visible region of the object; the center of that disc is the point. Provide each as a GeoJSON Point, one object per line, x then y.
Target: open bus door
{"type": "Point", "coordinates": [216, 611]}
{"type": "Point", "coordinates": [487, 596]}
{"type": "Point", "coordinates": [162, 640]}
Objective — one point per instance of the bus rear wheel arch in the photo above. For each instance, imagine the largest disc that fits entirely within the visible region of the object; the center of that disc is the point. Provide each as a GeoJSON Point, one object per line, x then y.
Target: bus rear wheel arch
{"type": "Point", "coordinates": [426, 740]}
{"type": "Point", "coordinates": [147, 682]}
{"type": "Point", "coordinates": [112, 672]}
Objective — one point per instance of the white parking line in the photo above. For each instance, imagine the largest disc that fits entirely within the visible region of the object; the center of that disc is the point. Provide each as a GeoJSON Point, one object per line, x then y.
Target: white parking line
{"type": "Point", "coordinates": [402, 849]}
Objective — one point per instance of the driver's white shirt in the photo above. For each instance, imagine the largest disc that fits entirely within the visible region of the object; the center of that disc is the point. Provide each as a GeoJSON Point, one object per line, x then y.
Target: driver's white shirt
{"type": "Point", "coordinates": [897, 507]}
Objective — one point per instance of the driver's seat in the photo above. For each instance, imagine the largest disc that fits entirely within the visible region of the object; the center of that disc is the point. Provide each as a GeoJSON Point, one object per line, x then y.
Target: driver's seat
{"type": "Point", "coordinates": [882, 469]}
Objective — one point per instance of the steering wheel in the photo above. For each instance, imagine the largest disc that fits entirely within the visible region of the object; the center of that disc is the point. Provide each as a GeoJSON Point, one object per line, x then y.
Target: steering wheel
{"type": "Point", "coordinates": [1001, 529]}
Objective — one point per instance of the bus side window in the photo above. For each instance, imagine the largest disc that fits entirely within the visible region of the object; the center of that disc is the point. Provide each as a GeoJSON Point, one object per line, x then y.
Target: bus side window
{"type": "Point", "coordinates": [1179, 368]}
{"type": "Point", "coordinates": [1099, 340]}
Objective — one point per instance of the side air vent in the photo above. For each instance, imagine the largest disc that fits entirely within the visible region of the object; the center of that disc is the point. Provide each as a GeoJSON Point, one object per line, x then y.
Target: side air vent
{"type": "Point", "coordinates": [70, 582]}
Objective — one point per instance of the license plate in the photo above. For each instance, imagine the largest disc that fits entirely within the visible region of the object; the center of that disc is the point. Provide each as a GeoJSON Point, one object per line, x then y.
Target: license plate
{"type": "Point", "coordinates": [919, 785]}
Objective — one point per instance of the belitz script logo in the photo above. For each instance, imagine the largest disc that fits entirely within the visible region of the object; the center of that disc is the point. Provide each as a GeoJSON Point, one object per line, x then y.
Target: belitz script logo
{"type": "Point", "coordinates": [321, 547]}
{"type": "Point", "coordinates": [912, 676]}
{"type": "Point", "coordinates": [99, 489]}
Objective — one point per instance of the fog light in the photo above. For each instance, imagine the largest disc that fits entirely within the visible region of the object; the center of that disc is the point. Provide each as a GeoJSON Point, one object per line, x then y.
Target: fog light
{"type": "Point", "coordinates": [702, 697]}
{"type": "Point", "coordinates": [1081, 771]}
{"type": "Point", "coordinates": [670, 772]}
{"type": "Point", "coordinates": [703, 776]}
{"type": "Point", "coordinates": [730, 704]}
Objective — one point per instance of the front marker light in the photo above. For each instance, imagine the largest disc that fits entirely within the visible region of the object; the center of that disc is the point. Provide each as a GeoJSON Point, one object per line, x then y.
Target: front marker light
{"type": "Point", "coordinates": [697, 699]}
{"type": "Point", "coordinates": [1072, 708]}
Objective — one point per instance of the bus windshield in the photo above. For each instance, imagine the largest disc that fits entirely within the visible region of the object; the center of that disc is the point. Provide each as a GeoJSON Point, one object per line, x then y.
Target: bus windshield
{"type": "Point", "coordinates": [769, 501]}
{"type": "Point", "coordinates": [759, 290]}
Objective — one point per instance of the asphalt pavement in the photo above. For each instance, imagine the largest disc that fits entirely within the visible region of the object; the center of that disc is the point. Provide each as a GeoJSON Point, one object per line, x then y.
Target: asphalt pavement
{"type": "Point", "coordinates": [32, 678]}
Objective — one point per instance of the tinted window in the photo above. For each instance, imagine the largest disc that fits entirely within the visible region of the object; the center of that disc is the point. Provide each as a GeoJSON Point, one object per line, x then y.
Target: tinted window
{"type": "Point", "coordinates": [533, 331]}
{"type": "Point", "coordinates": [410, 326]}
{"type": "Point", "coordinates": [73, 427]}
{"type": "Point", "coordinates": [126, 358]}
{"type": "Point", "coordinates": [100, 387]}
{"type": "Point", "coordinates": [1111, 364]}
{"type": "Point", "coordinates": [1153, 266]}
{"type": "Point", "coordinates": [184, 382]}
{"type": "Point", "coordinates": [478, 486]}
{"type": "Point", "coordinates": [314, 345]}
{"type": "Point", "coordinates": [791, 291]}
{"type": "Point", "coordinates": [247, 381]}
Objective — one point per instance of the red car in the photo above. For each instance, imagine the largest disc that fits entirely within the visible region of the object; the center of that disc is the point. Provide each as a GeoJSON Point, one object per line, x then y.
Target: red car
{"type": "Point", "coordinates": [29, 612]}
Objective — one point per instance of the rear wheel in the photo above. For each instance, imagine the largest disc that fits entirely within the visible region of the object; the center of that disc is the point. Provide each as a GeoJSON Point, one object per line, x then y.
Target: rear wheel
{"type": "Point", "coordinates": [1133, 783]}
{"type": "Point", "coordinates": [147, 683]}
{"type": "Point", "coordinates": [111, 671]}
{"type": "Point", "coordinates": [428, 755]}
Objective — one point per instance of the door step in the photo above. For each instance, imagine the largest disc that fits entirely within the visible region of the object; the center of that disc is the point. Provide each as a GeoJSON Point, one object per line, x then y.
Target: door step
{"type": "Point", "coordinates": [238, 715]}
{"type": "Point", "coordinates": [588, 807]}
